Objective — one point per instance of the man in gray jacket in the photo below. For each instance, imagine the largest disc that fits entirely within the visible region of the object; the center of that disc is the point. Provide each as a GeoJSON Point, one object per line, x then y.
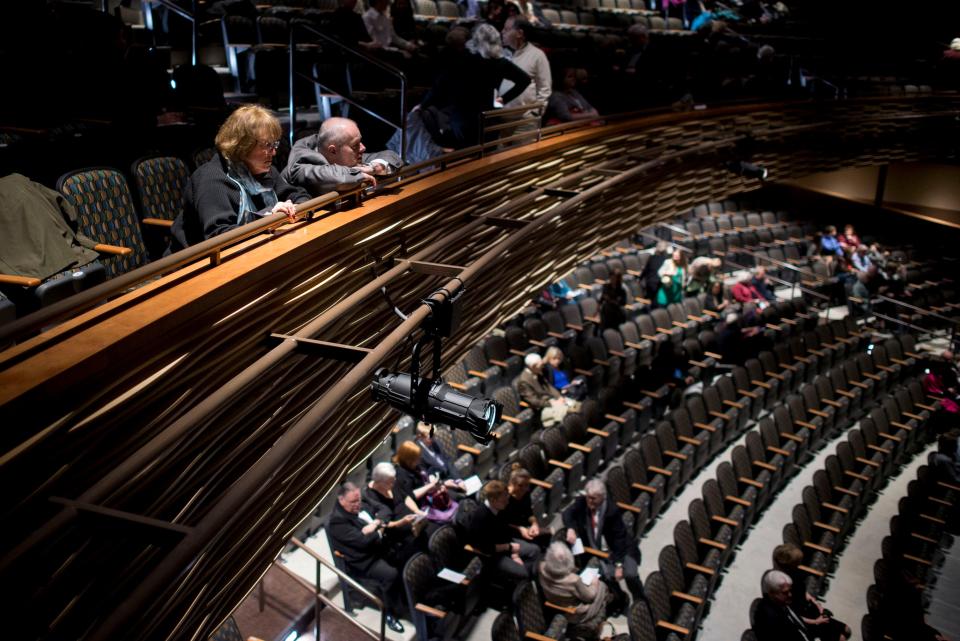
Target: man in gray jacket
{"type": "Point", "coordinates": [335, 158]}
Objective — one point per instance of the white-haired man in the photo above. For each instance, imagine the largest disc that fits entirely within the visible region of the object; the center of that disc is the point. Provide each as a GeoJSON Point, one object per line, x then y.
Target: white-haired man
{"type": "Point", "coordinates": [335, 158]}
{"type": "Point", "coordinates": [774, 620]}
{"type": "Point", "coordinates": [534, 388]}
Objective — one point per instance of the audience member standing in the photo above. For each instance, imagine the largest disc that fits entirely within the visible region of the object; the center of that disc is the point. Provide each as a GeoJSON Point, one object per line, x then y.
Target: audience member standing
{"type": "Point", "coordinates": [531, 59]}
{"type": "Point", "coordinates": [613, 299]}
{"type": "Point", "coordinates": [649, 275]}
{"type": "Point", "coordinates": [673, 278]}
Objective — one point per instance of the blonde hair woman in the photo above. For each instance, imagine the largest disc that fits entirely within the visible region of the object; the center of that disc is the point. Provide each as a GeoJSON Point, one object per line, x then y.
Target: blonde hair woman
{"type": "Point", "coordinates": [240, 183]}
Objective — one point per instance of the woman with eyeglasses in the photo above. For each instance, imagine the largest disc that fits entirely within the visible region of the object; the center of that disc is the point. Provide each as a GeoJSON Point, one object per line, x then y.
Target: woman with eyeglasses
{"type": "Point", "coordinates": [238, 185]}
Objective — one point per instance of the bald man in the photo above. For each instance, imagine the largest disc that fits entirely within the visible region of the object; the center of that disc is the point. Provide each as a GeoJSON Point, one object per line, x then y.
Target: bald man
{"type": "Point", "coordinates": [334, 159]}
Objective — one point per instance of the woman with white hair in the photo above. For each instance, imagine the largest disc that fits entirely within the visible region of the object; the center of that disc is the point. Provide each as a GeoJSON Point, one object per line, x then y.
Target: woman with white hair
{"type": "Point", "coordinates": [381, 501]}
{"type": "Point", "coordinates": [468, 86]}
{"type": "Point", "coordinates": [563, 586]}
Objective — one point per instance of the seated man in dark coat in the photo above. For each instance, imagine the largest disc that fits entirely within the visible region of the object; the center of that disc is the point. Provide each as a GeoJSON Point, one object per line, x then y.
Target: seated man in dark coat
{"type": "Point", "coordinates": [358, 538]}
{"type": "Point", "coordinates": [484, 529]}
{"type": "Point", "coordinates": [594, 519]}
{"type": "Point", "coordinates": [774, 620]}
{"type": "Point", "coordinates": [335, 158]}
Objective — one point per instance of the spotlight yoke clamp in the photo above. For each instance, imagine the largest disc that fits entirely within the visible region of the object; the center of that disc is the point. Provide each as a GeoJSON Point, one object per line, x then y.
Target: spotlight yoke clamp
{"type": "Point", "coordinates": [428, 398]}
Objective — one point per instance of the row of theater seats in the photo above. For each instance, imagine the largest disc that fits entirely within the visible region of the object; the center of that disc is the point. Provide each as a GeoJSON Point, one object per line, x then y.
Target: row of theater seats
{"type": "Point", "coordinates": [800, 421]}
{"type": "Point", "coordinates": [919, 534]}
{"type": "Point", "coordinates": [131, 217]}
{"type": "Point", "coordinates": [773, 240]}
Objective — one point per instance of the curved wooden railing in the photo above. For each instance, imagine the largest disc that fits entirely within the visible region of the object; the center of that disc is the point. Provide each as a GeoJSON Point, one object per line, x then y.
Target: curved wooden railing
{"type": "Point", "coordinates": [175, 437]}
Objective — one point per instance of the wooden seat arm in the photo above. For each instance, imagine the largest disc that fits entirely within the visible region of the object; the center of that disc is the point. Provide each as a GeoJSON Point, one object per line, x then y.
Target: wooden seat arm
{"type": "Point", "coordinates": [858, 384]}
{"type": "Point", "coordinates": [752, 482]}
{"type": "Point", "coordinates": [649, 337]}
{"type": "Point", "coordinates": [817, 547]}
{"type": "Point", "coordinates": [457, 386]}
{"type": "Point", "coordinates": [597, 553]}
{"type": "Point", "coordinates": [537, 343]}
{"type": "Point", "coordinates": [809, 426]}
{"type": "Point", "coordinates": [696, 567]}
{"type": "Point", "coordinates": [949, 486]}
{"type": "Point", "coordinates": [866, 461]}
{"type": "Point", "coordinates": [917, 559]}
{"type": "Point", "coordinates": [477, 373]}
{"type": "Point", "coordinates": [664, 330]}
{"type": "Point", "coordinates": [810, 570]}
{"type": "Point", "coordinates": [617, 352]}
{"type": "Point", "coordinates": [566, 609]}
{"type": "Point", "coordinates": [713, 355]}
{"type": "Point", "coordinates": [791, 437]}
{"type": "Point", "coordinates": [689, 440]}
{"type": "Point", "coordinates": [735, 404]}
{"type": "Point", "coordinates": [873, 377]}
{"type": "Point", "coordinates": [633, 345]}
{"type": "Point", "coordinates": [583, 372]}
{"type": "Point", "coordinates": [716, 414]}
{"type": "Point", "coordinates": [724, 520]}
{"type": "Point", "coordinates": [580, 448]}
{"type": "Point", "coordinates": [468, 449]}
{"type": "Point", "coordinates": [573, 326]}
{"type": "Point", "coordinates": [738, 500]}
{"type": "Point", "coordinates": [748, 394]}
{"type": "Point", "coordinates": [832, 403]}
{"type": "Point", "coordinates": [704, 427]}
{"type": "Point", "coordinates": [915, 417]}
{"type": "Point", "coordinates": [644, 488]}
{"type": "Point", "coordinates": [899, 361]}
{"type": "Point", "coordinates": [601, 361]}
{"type": "Point", "coordinates": [628, 507]}
{"type": "Point", "coordinates": [637, 407]}
{"type": "Point", "coordinates": [700, 364]}
{"type": "Point", "coordinates": [827, 527]}
{"type": "Point", "coordinates": [876, 448]}
{"type": "Point", "coordinates": [819, 413]}
{"type": "Point", "coordinates": [596, 432]}
{"type": "Point", "coordinates": [778, 450]}
{"type": "Point", "coordinates": [113, 250]}
{"type": "Point", "coordinates": [426, 609]}
{"type": "Point", "coordinates": [885, 368]}
{"type": "Point", "coordinates": [845, 393]}
{"type": "Point", "coordinates": [676, 455]}
{"type": "Point", "coordinates": [929, 408]}
{"type": "Point", "coordinates": [555, 335]}
{"type": "Point", "coordinates": [543, 484]}
{"type": "Point", "coordinates": [498, 363]}
{"type": "Point", "coordinates": [560, 464]}
{"type": "Point", "coordinates": [615, 418]}
{"type": "Point", "coordinates": [835, 508]}
{"type": "Point", "coordinates": [779, 377]}
{"type": "Point", "coordinates": [711, 543]}
{"type": "Point", "coordinates": [765, 466]}
{"type": "Point", "coordinates": [902, 426]}
{"type": "Point", "coordinates": [844, 490]}
{"type": "Point", "coordinates": [856, 475]}
{"type": "Point", "coordinates": [20, 281]}
{"type": "Point", "coordinates": [659, 470]}
{"type": "Point", "coordinates": [517, 352]}
{"type": "Point", "coordinates": [158, 222]}
{"type": "Point", "coordinates": [511, 419]}
{"type": "Point", "coordinates": [666, 625]}
{"type": "Point", "coordinates": [535, 636]}
{"type": "Point", "coordinates": [683, 596]}
{"type": "Point", "coordinates": [788, 366]}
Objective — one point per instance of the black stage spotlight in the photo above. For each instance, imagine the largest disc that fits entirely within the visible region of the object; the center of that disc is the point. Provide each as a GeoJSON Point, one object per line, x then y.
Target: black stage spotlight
{"type": "Point", "coordinates": [748, 169]}
{"type": "Point", "coordinates": [436, 402]}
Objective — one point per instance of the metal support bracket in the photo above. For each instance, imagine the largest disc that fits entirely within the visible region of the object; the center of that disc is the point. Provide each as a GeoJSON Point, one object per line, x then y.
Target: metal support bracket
{"type": "Point", "coordinates": [142, 527]}
{"type": "Point", "coordinates": [560, 193]}
{"type": "Point", "coordinates": [434, 269]}
{"type": "Point", "coordinates": [336, 351]}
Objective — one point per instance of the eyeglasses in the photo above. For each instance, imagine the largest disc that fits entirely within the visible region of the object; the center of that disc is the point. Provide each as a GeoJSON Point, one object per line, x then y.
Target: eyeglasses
{"type": "Point", "coordinates": [267, 146]}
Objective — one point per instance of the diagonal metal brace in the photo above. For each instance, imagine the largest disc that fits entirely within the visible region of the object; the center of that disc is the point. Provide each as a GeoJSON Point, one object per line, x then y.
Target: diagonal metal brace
{"type": "Point", "coordinates": [434, 269]}
{"type": "Point", "coordinates": [506, 223]}
{"type": "Point", "coordinates": [560, 193]}
{"type": "Point", "coordinates": [151, 530]}
{"type": "Point", "coordinates": [336, 351]}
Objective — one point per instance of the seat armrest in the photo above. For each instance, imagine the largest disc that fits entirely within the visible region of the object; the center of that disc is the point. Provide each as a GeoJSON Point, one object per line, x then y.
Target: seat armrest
{"type": "Point", "coordinates": [20, 281]}
{"type": "Point", "coordinates": [543, 484]}
{"type": "Point", "coordinates": [596, 432]}
{"type": "Point", "coordinates": [113, 250]}
{"type": "Point", "coordinates": [426, 609]}
{"type": "Point", "coordinates": [644, 488]}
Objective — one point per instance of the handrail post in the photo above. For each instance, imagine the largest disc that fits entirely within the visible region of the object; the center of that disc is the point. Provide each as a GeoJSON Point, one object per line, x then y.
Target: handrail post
{"type": "Point", "coordinates": [403, 119]}
{"type": "Point", "coordinates": [193, 34]}
{"type": "Point", "coordinates": [291, 101]}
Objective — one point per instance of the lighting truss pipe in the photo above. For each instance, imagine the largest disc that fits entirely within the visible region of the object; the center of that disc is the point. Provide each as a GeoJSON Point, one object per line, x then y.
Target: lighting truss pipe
{"type": "Point", "coordinates": [258, 476]}
{"type": "Point", "coordinates": [141, 460]}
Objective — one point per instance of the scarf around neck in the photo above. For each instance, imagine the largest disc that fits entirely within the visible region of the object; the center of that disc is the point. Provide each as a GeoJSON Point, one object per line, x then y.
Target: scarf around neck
{"type": "Point", "coordinates": [251, 186]}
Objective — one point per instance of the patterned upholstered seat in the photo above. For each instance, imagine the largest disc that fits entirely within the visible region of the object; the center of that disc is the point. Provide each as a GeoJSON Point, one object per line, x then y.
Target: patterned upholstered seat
{"type": "Point", "coordinates": [160, 182]}
{"type": "Point", "coordinates": [105, 214]}
{"type": "Point", "coordinates": [421, 585]}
